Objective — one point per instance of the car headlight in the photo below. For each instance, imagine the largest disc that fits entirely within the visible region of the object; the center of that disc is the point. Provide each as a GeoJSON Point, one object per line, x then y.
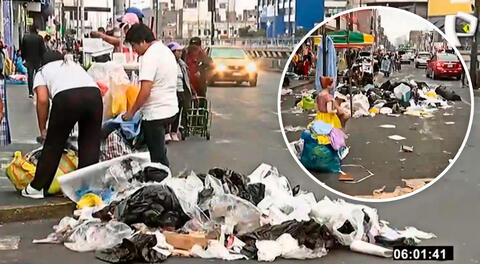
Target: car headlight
{"type": "Point", "coordinates": [221, 67]}
{"type": "Point", "coordinates": [251, 67]}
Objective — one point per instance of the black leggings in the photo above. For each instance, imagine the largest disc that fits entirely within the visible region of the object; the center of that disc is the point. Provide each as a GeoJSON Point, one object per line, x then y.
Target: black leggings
{"type": "Point", "coordinates": [83, 105]}
{"type": "Point", "coordinates": [154, 135]}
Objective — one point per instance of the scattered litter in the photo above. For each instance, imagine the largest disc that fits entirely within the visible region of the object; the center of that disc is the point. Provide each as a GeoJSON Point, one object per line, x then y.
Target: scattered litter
{"type": "Point", "coordinates": [9, 242]}
{"type": "Point", "coordinates": [345, 176]}
{"type": "Point", "coordinates": [447, 152]}
{"type": "Point", "coordinates": [394, 115]}
{"type": "Point", "coordinates": [406, 148]}
{"type": "Point", "coordinates": [388, 126]}
{"type": "Point", "coordinates": [402, 160]}
{"type": "Point", "coordinates": [223, 141]}
{"type": "Point", "coordinates": [369, 173]}
{"type": "Point", "coordinates": [396, 137]}
{"type": "Point", "coordinates": [447, 114]}
{"type": "Point", "coordinates": [287, 91]}
{"type": "Point", "coordinates": [449, 123]}
{"type": "Point", "coordinates": [411, 185]}
{"type": "Point", "coordinates": [294, 129]}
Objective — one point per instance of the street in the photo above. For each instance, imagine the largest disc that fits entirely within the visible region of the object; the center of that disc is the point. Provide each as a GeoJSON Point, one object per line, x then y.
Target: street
{"type": "Point", "coordinates": [246, 133]}
{"type": "Point", "coordinates": [434, 142]}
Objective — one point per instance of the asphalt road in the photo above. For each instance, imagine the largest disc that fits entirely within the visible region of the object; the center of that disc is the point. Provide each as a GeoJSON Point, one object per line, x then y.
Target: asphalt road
{"type": "Point", "coordinates": [435, 143]}
{"type": "Point", "coordinates": [245, 133]}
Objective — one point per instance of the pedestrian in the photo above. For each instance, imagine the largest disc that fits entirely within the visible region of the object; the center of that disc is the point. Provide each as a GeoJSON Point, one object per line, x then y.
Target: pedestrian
{"type": "Point", "coordinates": [198, 63]}
{"type": "Point", "coordinates": [33, 48]}
{"type": "Point", "coordinates": [75, 99]}
{"type": "Point", "coordinates": [184, 94]}
{"type": "Point", "coordinates": [307, 60]}
{"type": "Point", "coordinates": [157, 98]}
{"type": "Point", "coordinates": [117, 40]}
{"type": "Point", "coordinates": [5, 138]}
{"type": "Point", "coordinates": [386, 66]}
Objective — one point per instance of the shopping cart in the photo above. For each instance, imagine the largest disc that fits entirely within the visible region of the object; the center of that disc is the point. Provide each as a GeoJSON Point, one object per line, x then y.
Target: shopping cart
{"type": "Point", "coordinates": [199, 119]}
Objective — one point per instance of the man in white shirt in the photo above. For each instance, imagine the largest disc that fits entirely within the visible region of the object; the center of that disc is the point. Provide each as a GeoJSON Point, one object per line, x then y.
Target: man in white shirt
{"type": "Point", "coordinates": [157, 99]}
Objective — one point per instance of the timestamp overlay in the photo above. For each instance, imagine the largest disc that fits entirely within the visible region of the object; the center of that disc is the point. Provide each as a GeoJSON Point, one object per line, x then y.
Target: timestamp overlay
{"type": "Point", "coordinates": [435, 253]}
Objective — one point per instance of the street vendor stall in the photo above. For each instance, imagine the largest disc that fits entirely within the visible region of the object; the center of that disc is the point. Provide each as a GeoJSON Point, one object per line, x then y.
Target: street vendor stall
{"type": "Point", "coordinates": [345, 39]}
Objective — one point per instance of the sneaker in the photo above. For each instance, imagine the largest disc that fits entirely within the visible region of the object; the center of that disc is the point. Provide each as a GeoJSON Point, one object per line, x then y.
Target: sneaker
{"type": "Point", "coordinates": [30, 192]}
{"type": "Point", "coordinates": [175, 137]}
{"type": "Point", "coordinates": [30, 96]}
{"type": "Point", "coordinates": [168, 138]}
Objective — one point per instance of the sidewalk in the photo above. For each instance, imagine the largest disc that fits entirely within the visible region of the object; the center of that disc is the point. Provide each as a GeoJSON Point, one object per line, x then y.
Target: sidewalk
{"type": "Point", "coordinates": [23, 128]}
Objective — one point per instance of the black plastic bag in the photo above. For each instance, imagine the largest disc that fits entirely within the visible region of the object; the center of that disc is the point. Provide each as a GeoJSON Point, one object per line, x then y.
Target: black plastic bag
{"type": "Point", "coordinates": [137, 248]}
{"type": "Point", "coordinates": [151, 174]}
{"type": "Point", "coordinates": [155, 206]}
{"type": "Point", "coordinates": [238, 185]}
{"type": "Point", "coordinates": [448, 94]}
{"type": "Point", "coordinates": [310, 234]}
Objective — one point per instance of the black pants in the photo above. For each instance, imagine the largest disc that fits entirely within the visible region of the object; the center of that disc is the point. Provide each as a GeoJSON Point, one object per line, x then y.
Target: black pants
{"type": "Point", "coordinates": [154, 136]}
{"type": "Point", "coordinates": [82, 105]}
{"type": "Point", "coordinates": [31, 71]}
{"type": "Point", "coordinates": [184, 104]}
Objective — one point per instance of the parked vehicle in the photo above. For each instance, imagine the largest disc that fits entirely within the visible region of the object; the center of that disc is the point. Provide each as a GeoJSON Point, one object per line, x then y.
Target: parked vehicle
{"type": "Point", "coordinates": [444, 65]}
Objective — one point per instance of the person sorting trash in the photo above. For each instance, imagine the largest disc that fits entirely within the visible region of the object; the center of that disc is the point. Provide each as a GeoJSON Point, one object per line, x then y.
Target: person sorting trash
{"type": "Point", "coordinates": [157, 98]}
{"type": "Point", "coordinates": [326, 110]}
{"type": "Point", "coordinates": [75, 98]}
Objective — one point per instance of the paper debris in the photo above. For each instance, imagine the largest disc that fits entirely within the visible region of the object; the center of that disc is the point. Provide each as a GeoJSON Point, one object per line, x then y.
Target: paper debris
{"type": "Point", "coordinates": [388, 126]}
{"type": "Point", "coordinates": [396, 137]}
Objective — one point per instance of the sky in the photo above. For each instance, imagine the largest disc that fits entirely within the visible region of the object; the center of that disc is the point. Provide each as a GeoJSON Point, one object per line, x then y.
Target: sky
{"type": "Point", "coordinates": [398, 24]}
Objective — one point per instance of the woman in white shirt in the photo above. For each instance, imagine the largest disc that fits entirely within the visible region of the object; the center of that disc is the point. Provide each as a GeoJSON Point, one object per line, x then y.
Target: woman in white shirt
{"type": "Point", "coordinates": [75, 99]}
{"type": "Point", "coordinates": [157, 98]}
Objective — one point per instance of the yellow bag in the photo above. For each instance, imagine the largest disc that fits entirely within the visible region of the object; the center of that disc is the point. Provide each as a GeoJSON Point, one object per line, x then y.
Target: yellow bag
{"type": "Point", "coordinates": [132, 93]}
{"type": "Point", "coordinates": [119, 102]}
{"type": "Point", "coordinates": [21, 172]}
{"type": "Point", "coordinates": [9, 66]}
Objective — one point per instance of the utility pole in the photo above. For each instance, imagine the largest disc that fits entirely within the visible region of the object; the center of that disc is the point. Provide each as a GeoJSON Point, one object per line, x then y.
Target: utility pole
{"type": "Point", "coordinates": [473, 58]}
{"type": "Point", "coordinates": [350, 27]}
{"type": "Point", "coordinates": [211, 8]}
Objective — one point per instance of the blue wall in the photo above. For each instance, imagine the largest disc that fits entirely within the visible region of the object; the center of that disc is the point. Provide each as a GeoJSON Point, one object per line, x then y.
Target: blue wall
{"type": "Point", "coordinates": [309, 12]}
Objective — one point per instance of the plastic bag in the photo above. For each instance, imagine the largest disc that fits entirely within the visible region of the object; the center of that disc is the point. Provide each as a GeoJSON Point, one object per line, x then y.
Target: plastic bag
{"type": "Point", "coordinates": [186, 190]}
{"type": "Point", "coordinates": [215, 250]}
{"type": "Point", "coordinates": [93, 235]}
{"type": "Point", "coordinates": [347, 222]}
{"type": "Point", "coordinates": [235, 214]}
{"type": "Point", "coordinates": [131, 94]}
{"type": "Point", "coordinates": [307, 102]}
{"type": "Point", "coordinates": [139, 248]}
{"type": "Point", "coordinates": [320, 158]}
{"type": "Point", "coordinates": [155, 206]}
{"type": "Point", "coordinates": [371, 249]}
{"type": "Point", "coordinates": [21, 172]}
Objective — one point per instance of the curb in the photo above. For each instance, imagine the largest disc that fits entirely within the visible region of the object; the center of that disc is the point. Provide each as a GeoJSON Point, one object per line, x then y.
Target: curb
{"type": "Point", "coordinates": [9, 214]}
{"type": "Point", "coordinates": [301, 84]}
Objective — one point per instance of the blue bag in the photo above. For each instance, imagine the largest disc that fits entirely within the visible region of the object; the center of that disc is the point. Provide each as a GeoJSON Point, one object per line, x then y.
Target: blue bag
{"type": "Point", "coordinates": [317, 157]}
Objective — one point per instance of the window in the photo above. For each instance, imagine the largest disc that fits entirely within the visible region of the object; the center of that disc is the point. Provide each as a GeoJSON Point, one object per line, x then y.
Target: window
{"type": "Point", "coordinates": [447, 57]}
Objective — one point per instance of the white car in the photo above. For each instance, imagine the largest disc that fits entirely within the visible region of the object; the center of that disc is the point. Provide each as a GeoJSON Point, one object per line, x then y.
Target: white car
{"type": "Point", "coordinates": [422, 59]}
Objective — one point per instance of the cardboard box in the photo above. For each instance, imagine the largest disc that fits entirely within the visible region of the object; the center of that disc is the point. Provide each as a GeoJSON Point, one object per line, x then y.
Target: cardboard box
{"type": "Point", "coordinates": [186, 241]}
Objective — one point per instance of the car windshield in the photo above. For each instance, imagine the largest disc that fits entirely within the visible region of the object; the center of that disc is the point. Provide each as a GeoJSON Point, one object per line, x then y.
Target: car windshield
{"type": "Point", "coordinates": [228, 53]}
{"type": "Point", "coordinates": [424, 56]}
{"type": "Point", "coordinates": [447, 57]}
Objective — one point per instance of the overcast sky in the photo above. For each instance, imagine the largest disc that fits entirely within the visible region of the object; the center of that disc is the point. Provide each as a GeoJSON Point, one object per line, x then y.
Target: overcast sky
{"type": "Point", "coordinates": [398, 24]}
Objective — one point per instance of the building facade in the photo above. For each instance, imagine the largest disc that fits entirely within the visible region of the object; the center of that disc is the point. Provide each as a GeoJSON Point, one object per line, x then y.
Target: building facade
{"type": "Point", "coordinates": [284, 17]}
{"type": "Point", "coordinates": [419, 7]}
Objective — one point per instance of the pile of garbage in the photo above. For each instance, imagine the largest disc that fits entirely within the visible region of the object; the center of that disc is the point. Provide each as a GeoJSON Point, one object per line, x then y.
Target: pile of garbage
{"type": "Point", "coordinates": [388, 98]}
{"type": "Point", "coordinates": [138, 212]}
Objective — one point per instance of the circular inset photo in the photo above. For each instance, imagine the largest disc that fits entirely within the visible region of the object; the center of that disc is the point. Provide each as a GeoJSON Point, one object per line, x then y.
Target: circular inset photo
{"type": "Point", "coordinates": [375, 104]}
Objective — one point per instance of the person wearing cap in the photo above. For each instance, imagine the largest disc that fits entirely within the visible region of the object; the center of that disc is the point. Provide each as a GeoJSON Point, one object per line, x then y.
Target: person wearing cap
{"type": "Point", "coordinates": [75, 99]}
{"type": "Point", "coordinates": [127, 21]}
{"type": "Point", "coordinates": [157, 98]}
{"type": "Point", "coordinates": [184, 93]}
{"type": "Point", "coordinates": [197, 62]}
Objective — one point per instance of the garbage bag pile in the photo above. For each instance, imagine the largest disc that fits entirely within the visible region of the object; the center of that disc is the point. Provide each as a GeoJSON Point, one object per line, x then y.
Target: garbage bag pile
{"type": "Point", "coordinates": [222, 214]}
{"type": "Point", "coordinates": [390, 98]}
